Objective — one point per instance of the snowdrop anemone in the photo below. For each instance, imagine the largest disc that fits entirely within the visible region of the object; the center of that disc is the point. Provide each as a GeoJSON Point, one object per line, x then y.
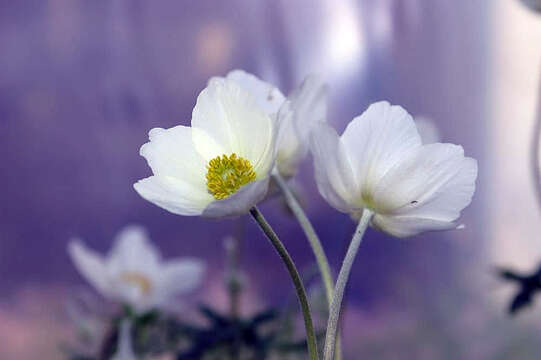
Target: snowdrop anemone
{"type": "Point", "coordinates": [219, 166]}
{"type": "Point", "coordinates": [379, 171]}
{"type": "Point", "coordinates": [297, 114]}
{"type": "Point", "coordinates": [380, 165]}
{"type": "Point", "coordinates": [134, 273]}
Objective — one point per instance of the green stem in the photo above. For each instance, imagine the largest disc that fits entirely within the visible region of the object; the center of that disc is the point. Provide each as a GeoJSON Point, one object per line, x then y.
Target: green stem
{"type": "Point", "coordinates": [315, 243]}
{"type": "Point", "coordinates": [343, 276]}
{"type": "Point", "coordinates": [295, 277]}
{"type": "Point", "coordinates": [313, 239]}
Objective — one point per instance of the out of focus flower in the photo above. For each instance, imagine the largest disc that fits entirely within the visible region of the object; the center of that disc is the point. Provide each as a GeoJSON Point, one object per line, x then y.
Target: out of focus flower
{"type": "Point", "coordinates": [296, 115]}
{"type": "Point", "coordinates": [220, 165]}
{"type": "Point", "coordinates": [427, 129]}
{"type": "Point", "coordinates": [134, 273]}
{"type": "Point", "coordinates": [125, 347]}
{"type": "Point", "coordinates": [380, 164]}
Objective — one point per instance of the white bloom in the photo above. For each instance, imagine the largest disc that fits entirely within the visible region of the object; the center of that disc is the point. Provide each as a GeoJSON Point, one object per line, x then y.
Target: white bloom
{"type": "Point", "coordinates": [380, 164]}
{"type": "Point", "coordinates": [296, 115]}
{"type": "Point", "coordinates": [221, 164]}
{"type": "Point", "coordinates": [134, 273]}
{"type": "Point", "coordinates": [125, 348]}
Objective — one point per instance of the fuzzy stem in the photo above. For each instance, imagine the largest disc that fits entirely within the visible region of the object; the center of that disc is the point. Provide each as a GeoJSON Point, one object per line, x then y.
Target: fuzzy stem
{"type": "Point", "coordinates": [315, 243]}
{"type": "Point", "coordinates": [295, 277]}
{"type": "Point", "coordinates": [343, 276]}
{"type": "Point", "coordinates": [534, 151]}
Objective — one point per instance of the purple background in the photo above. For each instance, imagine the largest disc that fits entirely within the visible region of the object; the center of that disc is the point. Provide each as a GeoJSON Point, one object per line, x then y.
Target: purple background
{"type": "Point", "coordinates": [82, 82]}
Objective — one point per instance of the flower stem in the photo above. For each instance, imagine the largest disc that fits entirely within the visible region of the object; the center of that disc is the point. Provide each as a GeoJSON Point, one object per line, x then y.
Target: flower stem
{"type": "Point", "coordinates": [315, 243]}
{"type": "Point", "coordinates": [534, 151]}
{"type": "Point", "coordinates": [343, 276]}
{"type": "Point", "coordinates": [313, 239]}
{"type": "Point", "coordinates": [295, 277]}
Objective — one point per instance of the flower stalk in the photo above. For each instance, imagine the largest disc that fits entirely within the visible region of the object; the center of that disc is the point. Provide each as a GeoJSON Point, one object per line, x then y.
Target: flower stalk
{"type": "Point", "coordinates": [313, 239]}
{"type": "Point", "coordinates": [295, 277]}
{"type": "Point", "coordinates": [343, 276]}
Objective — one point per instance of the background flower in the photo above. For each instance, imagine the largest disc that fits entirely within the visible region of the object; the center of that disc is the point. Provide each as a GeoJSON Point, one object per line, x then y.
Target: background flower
{"type": "Point", "coordinates": [295, 115]}
{"type": "Point", "coordinates": [427, 129]}
{"type": "Point", "coordinates": [134, 273]}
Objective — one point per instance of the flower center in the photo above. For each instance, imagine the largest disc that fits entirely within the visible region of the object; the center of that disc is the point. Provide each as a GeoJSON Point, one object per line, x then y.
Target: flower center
{"type": "Point", "coordinates": [226, 174]}
{"type": "Point", "coordinates": [137, 279]}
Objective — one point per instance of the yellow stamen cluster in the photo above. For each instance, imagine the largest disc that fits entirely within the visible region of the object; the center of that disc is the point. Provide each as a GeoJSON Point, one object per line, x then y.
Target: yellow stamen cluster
{"type": "Point", "coordinates": [226, 174]}
{"type": "Point", "coordinates": [137, 279]}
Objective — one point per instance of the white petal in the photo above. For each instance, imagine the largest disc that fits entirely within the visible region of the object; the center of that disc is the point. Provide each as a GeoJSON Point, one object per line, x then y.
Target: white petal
{"type": "Point", "coordinates": [288, 142]}
{"type": "Point", "coordinates": [305, 107]}
{"type": "Point", "coordinates": [233, 123]}
{"type": "Point", "coordinates": [309, 104]}
{"type": "Point", "coordinates": [179, 277]}
{"type": "Point", "coordinates": [91, 265]}
{"type": "Point", "coordinates": [240, 202]}
{"type": "Point", "coordinates": [171, 152]}
{"type": "Point", "coordinates": [427, 190]}
{"type": "Point", "coordinates": [266, 95]}
{"type": "Point", "coordinates": [333, 171]}
{"type": "Point", "coordinates": [405, 226]}
{"type": "Point", "coordinates": [133, 252]}
{"type": "Point", "coordinates": [174, 195]}
{"type": "Point", "coordinates": [376, 140]}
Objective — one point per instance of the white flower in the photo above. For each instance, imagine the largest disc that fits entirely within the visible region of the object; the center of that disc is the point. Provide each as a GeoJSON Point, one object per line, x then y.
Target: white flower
{"type": "Point", "coordinates": [220, 165]}
{"type": "Point", "coordinates": [296, 115]}
{"type": "Point", "coordinates": [380, 164]}
{"type": "Point", "coordinates": [134, 273]}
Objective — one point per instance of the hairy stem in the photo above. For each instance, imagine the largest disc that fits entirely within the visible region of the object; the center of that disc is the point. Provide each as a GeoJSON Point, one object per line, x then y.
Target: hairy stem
{"type": "Point", "coordinates": [343, 276]}
{"type": "Point", "coordinates": [295, 277]}
{"type": "Point", "coordinates": [315, 243]}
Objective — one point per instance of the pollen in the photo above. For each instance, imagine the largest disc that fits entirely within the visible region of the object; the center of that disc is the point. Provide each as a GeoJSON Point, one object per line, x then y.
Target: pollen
{"type": "Point", "coordinates": [226, 174]}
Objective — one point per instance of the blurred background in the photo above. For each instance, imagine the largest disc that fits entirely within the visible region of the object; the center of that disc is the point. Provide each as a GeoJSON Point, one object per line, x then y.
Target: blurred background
{"type": "Point", "coordinates": [81, 83]}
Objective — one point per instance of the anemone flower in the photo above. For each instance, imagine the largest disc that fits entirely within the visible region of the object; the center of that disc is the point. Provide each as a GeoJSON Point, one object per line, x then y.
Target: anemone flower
{"type": "Point", "coordinates": [379, 164]}
{"type": "Point", "coordinates": [134, 273]}
{"type": "Point", "coordinates": [219, 166]}
{"type": "Point", "coordinates": [297, 114]}
{"type": "Point", "coordinates": [380, 172]}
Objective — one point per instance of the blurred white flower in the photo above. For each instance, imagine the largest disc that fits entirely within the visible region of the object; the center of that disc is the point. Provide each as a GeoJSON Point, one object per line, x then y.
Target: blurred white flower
{"type": "Point", "coordinates": [427, 129]}
{"type": "Point", "coordinates": [379, 163]}
{"type": "Point", "coordinates": [220, 165]}
{"type": "Point", "coordinates": [134, 273]}
{"type": "Point", "coordinates": [125, 348]}
{"type": "Point", "coordinates": [296, 115]}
